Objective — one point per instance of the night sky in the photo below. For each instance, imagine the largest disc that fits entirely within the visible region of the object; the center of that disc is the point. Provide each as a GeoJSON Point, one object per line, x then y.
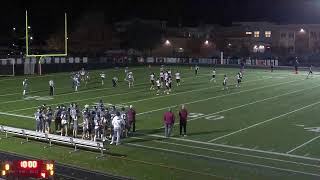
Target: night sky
{"type": "Point", "coordinates": [47, 14]}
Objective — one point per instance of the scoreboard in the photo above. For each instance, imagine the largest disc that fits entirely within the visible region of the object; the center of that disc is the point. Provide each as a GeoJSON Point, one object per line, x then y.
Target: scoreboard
{"type": "Point", "coordinates": [39, 169]}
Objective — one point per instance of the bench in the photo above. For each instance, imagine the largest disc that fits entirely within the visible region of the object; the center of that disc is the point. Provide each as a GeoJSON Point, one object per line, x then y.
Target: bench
{"type": "Point", "coordinates": [52, 138]}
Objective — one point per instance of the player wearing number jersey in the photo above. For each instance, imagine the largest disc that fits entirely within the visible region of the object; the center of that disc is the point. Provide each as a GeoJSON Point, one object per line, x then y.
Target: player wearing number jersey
{"type": "Point", "coordinates": [161, 78]}
{"type": "Point", "coordinates": [178, 78]}
{"type": "Point", "coordinates": [152, 76]}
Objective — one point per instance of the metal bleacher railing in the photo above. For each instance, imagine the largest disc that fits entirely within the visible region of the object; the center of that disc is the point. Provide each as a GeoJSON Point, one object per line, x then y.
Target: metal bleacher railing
{"type": "Point", "coordinates": [52, 138]}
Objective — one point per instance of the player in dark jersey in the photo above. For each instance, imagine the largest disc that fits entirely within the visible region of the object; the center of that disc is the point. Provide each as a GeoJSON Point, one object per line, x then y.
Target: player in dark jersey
{"type": "Point", "coordinates": [271, 67]}
{"type": "Point", "coordinates": [196, 69]}
{"type": "Point", "coordinates": [296, 64]}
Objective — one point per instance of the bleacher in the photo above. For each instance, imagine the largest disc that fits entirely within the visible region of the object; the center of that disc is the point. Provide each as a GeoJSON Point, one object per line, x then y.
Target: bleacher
{"type": "Point", "coordinates": [54, 139]}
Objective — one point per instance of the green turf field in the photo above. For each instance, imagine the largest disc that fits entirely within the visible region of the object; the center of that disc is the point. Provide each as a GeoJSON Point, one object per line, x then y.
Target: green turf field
{"type": "Point", "coordinates": [267, 129]}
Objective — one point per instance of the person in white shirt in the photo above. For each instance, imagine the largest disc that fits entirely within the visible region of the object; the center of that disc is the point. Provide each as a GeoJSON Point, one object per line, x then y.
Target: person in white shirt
{"type": "Point", "coordinates": [152, 77]}
{"type": "Point", "coordinates": [178, 78]}
{"type": "Point", "coordinates": [51, 85]}
{"type": "Point", "coordinates": [25, 85]}
{"type": "Point", "coordinates": [225, 81]}
{"type": "Point", "coordinates": [213, 75]}
{"type": "Point", "coordinates": [103, 77]}
{"type": "Point", "coordinates": [158, 86]}
{"type": "Point", "coordinates": [117, 123]}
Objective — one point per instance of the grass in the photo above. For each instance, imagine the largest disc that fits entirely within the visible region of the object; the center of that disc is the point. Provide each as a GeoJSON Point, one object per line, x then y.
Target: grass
{"type": "Point", "coordinates": [267, 129]}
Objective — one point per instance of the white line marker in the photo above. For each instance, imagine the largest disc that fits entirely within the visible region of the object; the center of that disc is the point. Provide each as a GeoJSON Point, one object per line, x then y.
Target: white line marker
{"type": "Point", "coordinates": [238, 148]}
{"type": "Point", "coordinates": [222, 159]}
{"type": "Point", "coordinates": [234, 153]}
{"type": "Point", "coordinates": [15, 115]}
{"type": "Point", "coordinates": [300, 146]}
{"type": "Point", "coordinates": [263, 122]}
{"type": "Point", "coordinates": [254, 102]}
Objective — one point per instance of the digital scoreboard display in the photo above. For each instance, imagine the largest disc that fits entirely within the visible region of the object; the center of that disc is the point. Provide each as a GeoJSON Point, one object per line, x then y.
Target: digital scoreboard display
{"type": "Point", "coordinates": [39, 169]}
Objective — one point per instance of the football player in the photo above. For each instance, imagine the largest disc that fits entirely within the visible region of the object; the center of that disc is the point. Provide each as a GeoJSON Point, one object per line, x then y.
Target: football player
{"type": "Point", "coordinates": [152, 77]}
{"type": "Point", "coordinates": [130, 79]}
{"type": "Point", "coordinates": [161, 78]}
{"type": "Point", "coordinates": [114, 81]}
{"type": "Point", "coordinates": [64, 122]}
{"type": "Point", "coordinates": [196, 69]}
{"type": "Point", "coordinates": [178, 78]}
{"type": "Point", "coordinates": [213, 75]}
{"type": "Point", "coordinates": [310, 72]}
{"type": "Point", "coordinates": [158, 86]}
{"type": "Point", "coordinates": [225, 81]}
{"type": "Point", "coordinates": [25, 85]}
{"type": "Point", "coordinates": [238, 76]}
{"type": "Point", "coordinates": [103, 77]}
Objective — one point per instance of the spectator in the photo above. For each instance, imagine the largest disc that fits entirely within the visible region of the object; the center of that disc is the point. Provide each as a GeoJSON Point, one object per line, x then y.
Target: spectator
{"type": "Point", "coordinates": [117, 123]}
{"type": "Point", "coordinates": [131, 118]}
{"type": "Point", "coordinates": [168, 119]}
{"type": "Point", "coordinates": [183, 114]}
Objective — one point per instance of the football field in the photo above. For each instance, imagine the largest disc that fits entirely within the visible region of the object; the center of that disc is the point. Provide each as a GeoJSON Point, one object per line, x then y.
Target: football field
{"type": "Point", "coordinates": [269, 128]}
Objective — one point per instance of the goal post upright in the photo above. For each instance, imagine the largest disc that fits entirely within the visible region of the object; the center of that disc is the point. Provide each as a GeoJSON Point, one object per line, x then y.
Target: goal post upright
{"type": "Point", "coordinates": [41, 56]}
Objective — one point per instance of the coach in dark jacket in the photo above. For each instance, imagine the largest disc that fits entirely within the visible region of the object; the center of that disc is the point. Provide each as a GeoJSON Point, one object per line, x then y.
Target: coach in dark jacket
{"type": "Point", "coordinates": [183, 115]}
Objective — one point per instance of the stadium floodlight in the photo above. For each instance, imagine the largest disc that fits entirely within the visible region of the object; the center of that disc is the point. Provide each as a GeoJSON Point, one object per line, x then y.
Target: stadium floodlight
{"type": "Point", "coordinates": [41, 56]}
{"type": "Point", "coordinates": [13, 28]}
{"type": "Point", "coordinates": [206, 42]}
{"type": "Point", "coordinates": [302, 30]}
{"type": "Point", "coordinates": [167, 42]}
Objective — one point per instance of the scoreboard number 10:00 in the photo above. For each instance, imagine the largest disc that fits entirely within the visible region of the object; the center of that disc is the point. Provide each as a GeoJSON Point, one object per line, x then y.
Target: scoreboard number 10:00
{"type": "Point", "coordinates": [29, 164]}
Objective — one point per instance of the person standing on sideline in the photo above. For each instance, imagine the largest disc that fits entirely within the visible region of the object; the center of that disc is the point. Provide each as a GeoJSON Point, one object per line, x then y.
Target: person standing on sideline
{"type": "Point", "coordinates": [51, 85]}
{"type": "Point", "coordinates": [131, 115]}
{"type": "Point", "coordinates": [183, 114]}
{"type": "Point", "coordinates": [25, 85]}
{"type": "Point", "coordinates": [168, 119]}
{"type": "Point", "coordinates": [117, 123]}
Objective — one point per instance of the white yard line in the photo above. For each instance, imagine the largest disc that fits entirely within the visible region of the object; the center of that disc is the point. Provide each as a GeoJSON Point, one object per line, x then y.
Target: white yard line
{"type": "Point", "coordinates": [16, 115]}
{"type": "Point", "coordinates": [233, 153]}
{"type": "Point", "coordinates": [238, 148]}
{"type": "Point", "coordinates": [268, 120]}
{"type": "Point", "coordinates": [254, 102]}
{"type": "Point", "coordinates": [214, 97]}
{"type": "Point", "coordinates": [300, 146]}
{"type": "Point", "coordinates": [222, 159]}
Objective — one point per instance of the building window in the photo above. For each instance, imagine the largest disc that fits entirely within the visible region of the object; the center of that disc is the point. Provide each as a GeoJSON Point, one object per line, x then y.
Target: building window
{"type": "Point", "coordinates": [291, 35]}
{"type": "Point", "coordinates": [291, 49]}
{"type": "Point", "coordinates": [267, 34]}
{"type": "Point", "coordinates": [283, 35]}
{"type": "Point", "coordinates": [248, 33]}
{"type": "Point", "coordinates": [256, 34]}
{"type": "Point", "coordinates": [313, 35]}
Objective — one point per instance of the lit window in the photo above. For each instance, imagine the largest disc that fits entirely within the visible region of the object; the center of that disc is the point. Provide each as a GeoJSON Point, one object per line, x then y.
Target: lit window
{"type": "Point", "coordinates": [248, 33]}
{"type": "Point", "coordinates": [256, 34]}
{"type": "Point", "coordinates": [267, 34]}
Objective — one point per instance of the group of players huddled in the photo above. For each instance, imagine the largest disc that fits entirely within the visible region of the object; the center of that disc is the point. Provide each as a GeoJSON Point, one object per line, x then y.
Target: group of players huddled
{"type": "Point", "coordinates": [98, 121]}
{"type": "Point", "coordinates": [164, 80]}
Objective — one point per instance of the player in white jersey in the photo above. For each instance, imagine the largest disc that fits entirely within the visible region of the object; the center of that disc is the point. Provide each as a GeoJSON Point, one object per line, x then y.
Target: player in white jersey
{"type": "Point", "coordinates": [87, 78]}
{"type": "Point", "coordinates": [25, 85]}
{"type": "Point", "coordinates": [130, 79]}
{"type": "Point", "coordinates": [74, 116]}
{"type": "Point", "coordinates": [213, 75]}
{"type": "Point", "coordinates": [152, 77]}
{"type": "Point", "coordinates": [238, 76]}
{"type": "Point", "coordinates": [103, 77]}
{"type": "Point", "coordinates": [82, 74]}
{"type": "Point", "coordinates": [51, 87]}
{"type": "Point", "coordinates": [166, 76]}
{"type": "Point", "coordinates": [167, 88]}
{"type": "Point", "coordinates": [225, 82]}
{"type": "Point", "coordinates": [178, 78]}
{"type": "Point", "coordinates": [196, 69]}
{"type": "Point", "coordinates": [161, 78]}
{"type": "Point", "coordinates": [76, 83]}
{"type": "Point", "coordinates": [158, 86]}
{"type": "Point", "coordinates": [310, 72]}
